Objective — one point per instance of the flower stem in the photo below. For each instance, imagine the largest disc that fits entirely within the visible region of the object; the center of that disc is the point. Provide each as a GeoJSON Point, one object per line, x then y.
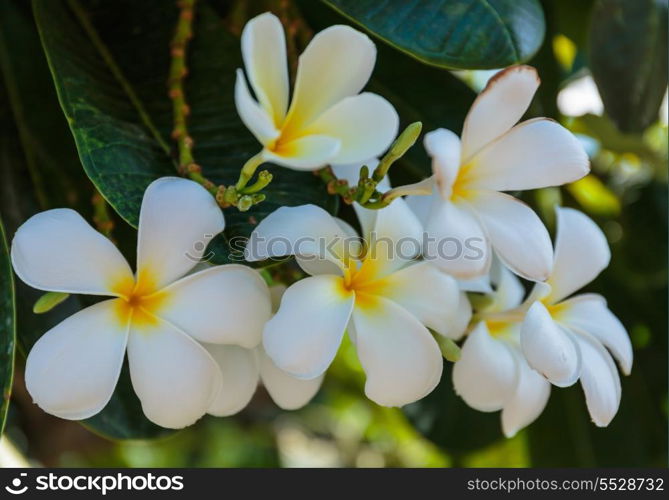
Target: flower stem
{"type": "Point", "coordinates": [248, 170]}
{"type": "Point", "coordinates": [365, 192]}
{"type": "Point", "coordinates": [187, 166]}
{"type": "Point", "coordinates": [178, 71]}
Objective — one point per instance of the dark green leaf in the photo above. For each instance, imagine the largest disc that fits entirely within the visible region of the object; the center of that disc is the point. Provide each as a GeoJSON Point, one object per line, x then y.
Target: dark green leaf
{"type": "Point", "coordinates": [462, 34]}
{"type": "Point", "coordinates": [120, 114]}
{"type": "Point", "coordinates": [7, 326]}
{"type": "Point", "coordinates": [40, 169]}
{"type": "Point", "coordinates": [628, 58]}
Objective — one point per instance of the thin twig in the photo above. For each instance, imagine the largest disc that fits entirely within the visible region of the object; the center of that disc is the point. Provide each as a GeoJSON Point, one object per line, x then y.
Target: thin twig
{"type": "Point", "coordinates": [238, 195]}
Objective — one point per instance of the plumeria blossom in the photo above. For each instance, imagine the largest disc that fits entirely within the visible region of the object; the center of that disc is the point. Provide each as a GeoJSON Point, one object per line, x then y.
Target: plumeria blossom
{"type": "Point", "coordinates": [519, 348]}
{"type": "Point", "coordinates": [242, 369]}
{"type": "Point", "coordinates": [157, 315]}
{"type": "Point", "coordinates": [568, 338]}
{"type": "Point", "coordinates": [492, 373]}
{"type": "Point", "coordinates": [328, 119]}
{"type": "Point", "coordinates": [383, 297]}
{"type": "Point", "coordinates": [468, 214]}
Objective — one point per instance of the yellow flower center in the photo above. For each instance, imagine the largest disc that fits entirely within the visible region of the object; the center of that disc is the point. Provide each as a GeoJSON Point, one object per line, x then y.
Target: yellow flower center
{"type": "Point", "coordinates": [460, 188]}
{"type": "Point", "coordinates": [364, 282]}
{"type": "Point", "coordinates": [139, 300]}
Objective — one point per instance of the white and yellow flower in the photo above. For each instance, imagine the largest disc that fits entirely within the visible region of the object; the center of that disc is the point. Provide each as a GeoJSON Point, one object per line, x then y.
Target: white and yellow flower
{"type": "Point", "coordinates": [492, 373]}
{"type": "Point", "coordinates": [568, 338]}
{"type": "Point", "coordinates": [328, 120]}
{"type": "Point", "coordinates": [385, 299]}
{"type": "Point", "coordinates": [242, 369]}
{"type": "Point", "coordinates": [157, 315]}
{"type": "Point", "coordinates": [468, 211]}
{"type": "Point", "coordinates": [519, 348]}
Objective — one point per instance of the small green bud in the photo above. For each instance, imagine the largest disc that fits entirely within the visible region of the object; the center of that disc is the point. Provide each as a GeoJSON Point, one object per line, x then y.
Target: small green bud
{"type": "Point", "coordinates": [244, 203]}
{"type": "Point", "coordinates": [48, 301]}
{"type": "Point", "coordinates": [449, 349]}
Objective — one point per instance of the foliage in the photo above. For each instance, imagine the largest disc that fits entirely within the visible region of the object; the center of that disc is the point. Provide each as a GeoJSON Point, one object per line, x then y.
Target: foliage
{"type": "Point", "coordinates": [84, 108]}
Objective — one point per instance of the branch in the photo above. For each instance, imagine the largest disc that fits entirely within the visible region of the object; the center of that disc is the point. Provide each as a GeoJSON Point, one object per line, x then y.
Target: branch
{"type": "Point", "coordinates": [240, 196]}
{"type": "Point", "coordinates": [365, 192]}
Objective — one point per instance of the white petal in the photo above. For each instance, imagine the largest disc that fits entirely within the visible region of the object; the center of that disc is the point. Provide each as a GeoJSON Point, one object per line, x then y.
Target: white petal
{"type": "Point", "coordinates": [177, 221]}
{"type": "Point", "coordinates": [516, 234]}
{"type": "Point", "coordinates": [600, 381]}
{"type": "Point", "coordinates": [337, 63]}
{"type": "Point", "coordinates": [175, 378]}
{"type": "Point", "coordinates": [305, 153]}
{"type": "Point", "coordinates": [254, 117]}
{"type": "Point", "coordinates": [304, 335]}
{"type": "Point", "coordinates": [222, 305]}
{"type": "Point", "coordinates": [581, 253]}
{"type": "Point", "coordinates": [396, 239]}
{"type": "Point", "coordinates": [443, 146]}
{"type": "Point", "coordinates": [72, 370]}
{"type": "Point", "coordinates": [239, 374]}
{"type": "Point", "coordinates": [528, 401]}
{"type": "Point", "coordinates": [589, 313]}
{"type": "Point", "coordinates": [509, 291]}
{"type": "Point", "coordinates": [58, 250]}
{"type": "Point", "coordinates": [457, 242]}
{"type": "Point", "coordinates": [486, 375]}
{"type": "Point", "coordinates": [353, 246]}
{"type": "Point", "coordinates": [422, 205]}
{"type": "Point", "coordinates": [460, 320]}
{"type": "Point", "coordinates": [539, 292]}
{"type": "Point", "coordinates": [548, 348]}
{"type": "Point", "coordinates": [480, 285]}
{"type": "Point", "coordinates": [498, 107]}
{"type": "Point", "coordinates": [307, 231]}
{"type": "Point", "coordinates": [264, 52]}
{"type": "Point", "coordinates": [533, 154]}
{"type": "Point", "coordinates": [365, 125]}
{"type": "Point", "coordinates": [428, 293]}
{"type": "Point", "coordinates": [402, 361]}
{"type": "Point", "coordinates": [287, 392]}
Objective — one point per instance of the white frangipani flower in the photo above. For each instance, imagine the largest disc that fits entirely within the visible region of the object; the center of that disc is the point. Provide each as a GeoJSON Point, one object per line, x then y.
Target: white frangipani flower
{"type": "Point", "coordinates": [385, 299]}
{"type": "Point", "coordinates": [328, 120]}
{"type": "Point", "coordinates": [156, 314]}
{"type": "Point", "coordinates": [492, 373]}
{"type": "Point", "coordinates": [518, 348]}
{"type": "Point", "coordinates": [468, 214]}
{"type": "Point", "coordinates": [242, 369]}
{"type": "Point", "coordinates": [573, 338]}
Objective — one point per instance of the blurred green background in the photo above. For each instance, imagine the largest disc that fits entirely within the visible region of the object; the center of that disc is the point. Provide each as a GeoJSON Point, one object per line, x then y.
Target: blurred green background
{"type": "Point", "coordinates": [603, 66]}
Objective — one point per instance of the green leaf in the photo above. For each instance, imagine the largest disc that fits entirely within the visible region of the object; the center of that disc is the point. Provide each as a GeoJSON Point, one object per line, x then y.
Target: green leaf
{"type": "Point", "coordinates": [459, 34]}
{"type": "Point", "coordinates": [449, 349]}
{"type": "Point", "coordinates": [7, 326]}
{"type": "Point", "coordinates": [629, 59]}
{"type": "Point", "coordinates": [110, 63]}
{"type": "Point", "coordinates": [40, 169]}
